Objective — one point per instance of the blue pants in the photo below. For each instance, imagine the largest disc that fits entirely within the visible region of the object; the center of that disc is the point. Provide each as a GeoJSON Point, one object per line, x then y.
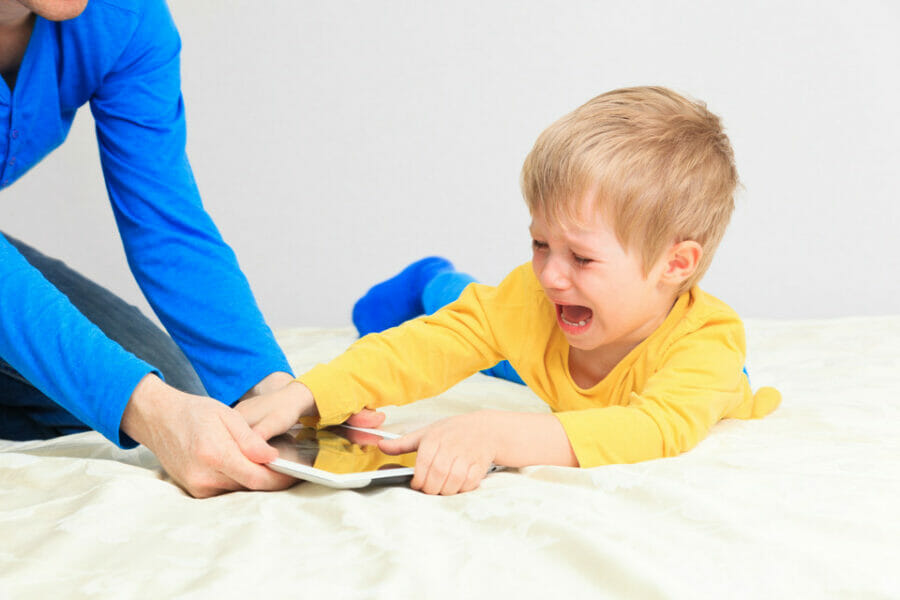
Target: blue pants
{"type": "Point", "coordinates": [25, 412]}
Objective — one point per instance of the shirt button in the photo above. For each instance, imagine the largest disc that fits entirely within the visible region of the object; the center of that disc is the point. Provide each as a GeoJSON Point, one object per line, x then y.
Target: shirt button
{"type": "Point", "coordinates": [14, 134]}
{"type": "Point", "coordinates": [12, 161]}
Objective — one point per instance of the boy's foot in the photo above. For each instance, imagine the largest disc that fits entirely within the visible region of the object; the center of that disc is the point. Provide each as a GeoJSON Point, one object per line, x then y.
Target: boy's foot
{"type": "Point", "coordinates": [397, 299]}
{"type": "Point", "coordinates": [444, 288]}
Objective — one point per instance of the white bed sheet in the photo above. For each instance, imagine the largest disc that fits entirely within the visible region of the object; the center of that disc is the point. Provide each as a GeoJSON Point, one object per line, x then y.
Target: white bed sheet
{"type": "Point", "coordinates": [801, 504]}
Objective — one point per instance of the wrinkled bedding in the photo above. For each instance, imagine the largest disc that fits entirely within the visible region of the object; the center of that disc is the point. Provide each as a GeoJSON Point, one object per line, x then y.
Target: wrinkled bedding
{"type": "Point", "coordinates": [803, 503]}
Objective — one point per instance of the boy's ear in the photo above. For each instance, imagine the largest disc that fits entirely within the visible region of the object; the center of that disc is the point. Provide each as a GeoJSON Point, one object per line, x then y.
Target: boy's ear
{"type": "Point", "coordinates": [681, 262]}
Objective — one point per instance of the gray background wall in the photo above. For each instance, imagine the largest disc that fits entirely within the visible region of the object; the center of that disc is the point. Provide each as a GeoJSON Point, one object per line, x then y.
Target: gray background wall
{"type": "Point", "coordinates": [335, 141]}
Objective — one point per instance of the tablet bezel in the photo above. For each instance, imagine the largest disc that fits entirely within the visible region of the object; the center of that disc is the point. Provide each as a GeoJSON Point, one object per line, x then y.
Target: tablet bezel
{"type": "Point", "coordinates": [345, 480]}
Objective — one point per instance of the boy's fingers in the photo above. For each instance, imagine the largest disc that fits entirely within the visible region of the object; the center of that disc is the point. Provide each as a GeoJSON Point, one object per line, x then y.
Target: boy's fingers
{"type": "Point", "coordinates": [455, 479]}
{"type": "Point", "coordinates": [402, 445]}
{"type": "Point", "coordinates": [425, 457]}
{"type": "Point", "coordinates": [473, 478]}
{"type": "Point", "coordinates": [361, 438]}
{"type": "Point", "coordinates": [257, 418]}
{"type": "Point", "coordinates": [269, 427]}
{"type": "Point", "coordinates": [438, 472]}
{"type": "Point", "coordinates": [368, 418]}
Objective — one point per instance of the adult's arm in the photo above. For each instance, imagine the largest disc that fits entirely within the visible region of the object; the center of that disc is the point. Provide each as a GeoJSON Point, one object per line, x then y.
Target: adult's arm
{"type": "Point", "coordinates": [56, 348]}
{"type": "Point", "coordinates": [189, 275]}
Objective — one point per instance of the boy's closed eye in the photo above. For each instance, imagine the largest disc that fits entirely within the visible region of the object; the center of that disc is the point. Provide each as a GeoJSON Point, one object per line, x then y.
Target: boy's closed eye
{"type": "Point", "coordinates": [581, 260]}
{"type": "Point", "coordinates": [539, 246]}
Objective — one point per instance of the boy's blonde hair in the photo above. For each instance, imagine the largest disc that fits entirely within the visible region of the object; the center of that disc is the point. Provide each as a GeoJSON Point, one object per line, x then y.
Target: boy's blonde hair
{"type": "Point", "coordinates": [658, 165]}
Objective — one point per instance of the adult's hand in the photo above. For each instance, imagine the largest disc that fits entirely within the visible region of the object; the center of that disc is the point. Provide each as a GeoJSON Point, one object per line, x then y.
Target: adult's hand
{"type": "Point", "coordinates": [205, 446]}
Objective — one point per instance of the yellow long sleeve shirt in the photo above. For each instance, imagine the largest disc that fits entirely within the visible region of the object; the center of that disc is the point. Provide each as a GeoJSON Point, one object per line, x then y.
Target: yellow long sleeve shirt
{"type": "Point", "coordinates": [660, 400]}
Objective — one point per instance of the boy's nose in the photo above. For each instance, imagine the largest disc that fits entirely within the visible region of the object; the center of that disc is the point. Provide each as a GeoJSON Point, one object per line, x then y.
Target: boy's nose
{"type": "Point", "coordinates": [554, 274]}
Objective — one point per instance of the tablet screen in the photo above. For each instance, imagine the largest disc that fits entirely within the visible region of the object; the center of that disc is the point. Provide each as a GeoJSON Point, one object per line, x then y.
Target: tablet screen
{"type": "Point", "coordinates": [338, 450]}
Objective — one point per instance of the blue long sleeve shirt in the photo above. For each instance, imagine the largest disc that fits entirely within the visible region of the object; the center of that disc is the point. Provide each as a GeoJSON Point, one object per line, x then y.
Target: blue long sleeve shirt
{"type": "Point", "coordinates": [122, 58]}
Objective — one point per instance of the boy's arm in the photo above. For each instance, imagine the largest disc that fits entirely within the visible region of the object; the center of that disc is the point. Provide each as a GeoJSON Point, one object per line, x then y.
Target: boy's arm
{"type": "Point", "coordinates": [698, 382]}
{"type": "Point", "coordinates": [419, 359]}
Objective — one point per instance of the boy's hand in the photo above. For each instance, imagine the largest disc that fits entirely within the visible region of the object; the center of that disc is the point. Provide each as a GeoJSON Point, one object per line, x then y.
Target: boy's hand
{"type": "Point", "coordinates": [368, 418]}
{"type": "Point", "coordinates": [454, 454]}
{"type": "Point", "coordinates": [274, 413]}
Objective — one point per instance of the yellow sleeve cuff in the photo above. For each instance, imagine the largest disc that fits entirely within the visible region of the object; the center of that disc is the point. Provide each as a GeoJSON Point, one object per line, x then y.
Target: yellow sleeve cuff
{"type": "Point", "coordinates": [333, 407]}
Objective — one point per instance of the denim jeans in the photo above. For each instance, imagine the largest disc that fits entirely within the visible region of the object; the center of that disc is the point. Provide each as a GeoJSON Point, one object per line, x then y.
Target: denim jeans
{"type": "Point", "coordinates": [25, 412]}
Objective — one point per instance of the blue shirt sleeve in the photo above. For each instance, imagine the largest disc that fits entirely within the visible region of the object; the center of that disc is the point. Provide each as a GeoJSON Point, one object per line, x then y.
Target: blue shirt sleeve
{"type": "Point", "coordinates": [189, 275]}
{"type": "Point", "coordinates": [123, 57]}
{"type": "Point", "coordinates": [50, 343]}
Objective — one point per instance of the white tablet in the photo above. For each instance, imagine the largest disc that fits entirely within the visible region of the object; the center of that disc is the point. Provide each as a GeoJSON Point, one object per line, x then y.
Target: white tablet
{"type": "Point", "coordinates": [341, 457]}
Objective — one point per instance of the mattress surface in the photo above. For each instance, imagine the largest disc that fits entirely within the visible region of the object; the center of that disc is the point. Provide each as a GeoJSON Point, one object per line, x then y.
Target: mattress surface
{"type": "Point", "coordinates": [803, 503]}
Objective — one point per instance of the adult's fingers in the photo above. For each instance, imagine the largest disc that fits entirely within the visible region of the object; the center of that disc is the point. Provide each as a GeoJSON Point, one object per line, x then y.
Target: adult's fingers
{"type": "Point", "coordinates": [240, 461]}
{"type": "Point", "coordinates": [251, 443]}
{"type": "Point", "coordinates": [249, 475]}
{"type": "Point", "coordinates": [211, 485]}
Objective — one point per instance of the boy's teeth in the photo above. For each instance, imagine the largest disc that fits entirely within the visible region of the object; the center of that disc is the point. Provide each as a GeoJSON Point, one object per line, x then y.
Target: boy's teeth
{"type": "Point", "coordinates": [578, 324]}
{"type": "Point", "coordinates": [576, 316]}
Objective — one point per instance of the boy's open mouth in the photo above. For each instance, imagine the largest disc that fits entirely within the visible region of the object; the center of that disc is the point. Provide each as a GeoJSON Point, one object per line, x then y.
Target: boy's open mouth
{"type": "Point", "coordinates": [572, 317]}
